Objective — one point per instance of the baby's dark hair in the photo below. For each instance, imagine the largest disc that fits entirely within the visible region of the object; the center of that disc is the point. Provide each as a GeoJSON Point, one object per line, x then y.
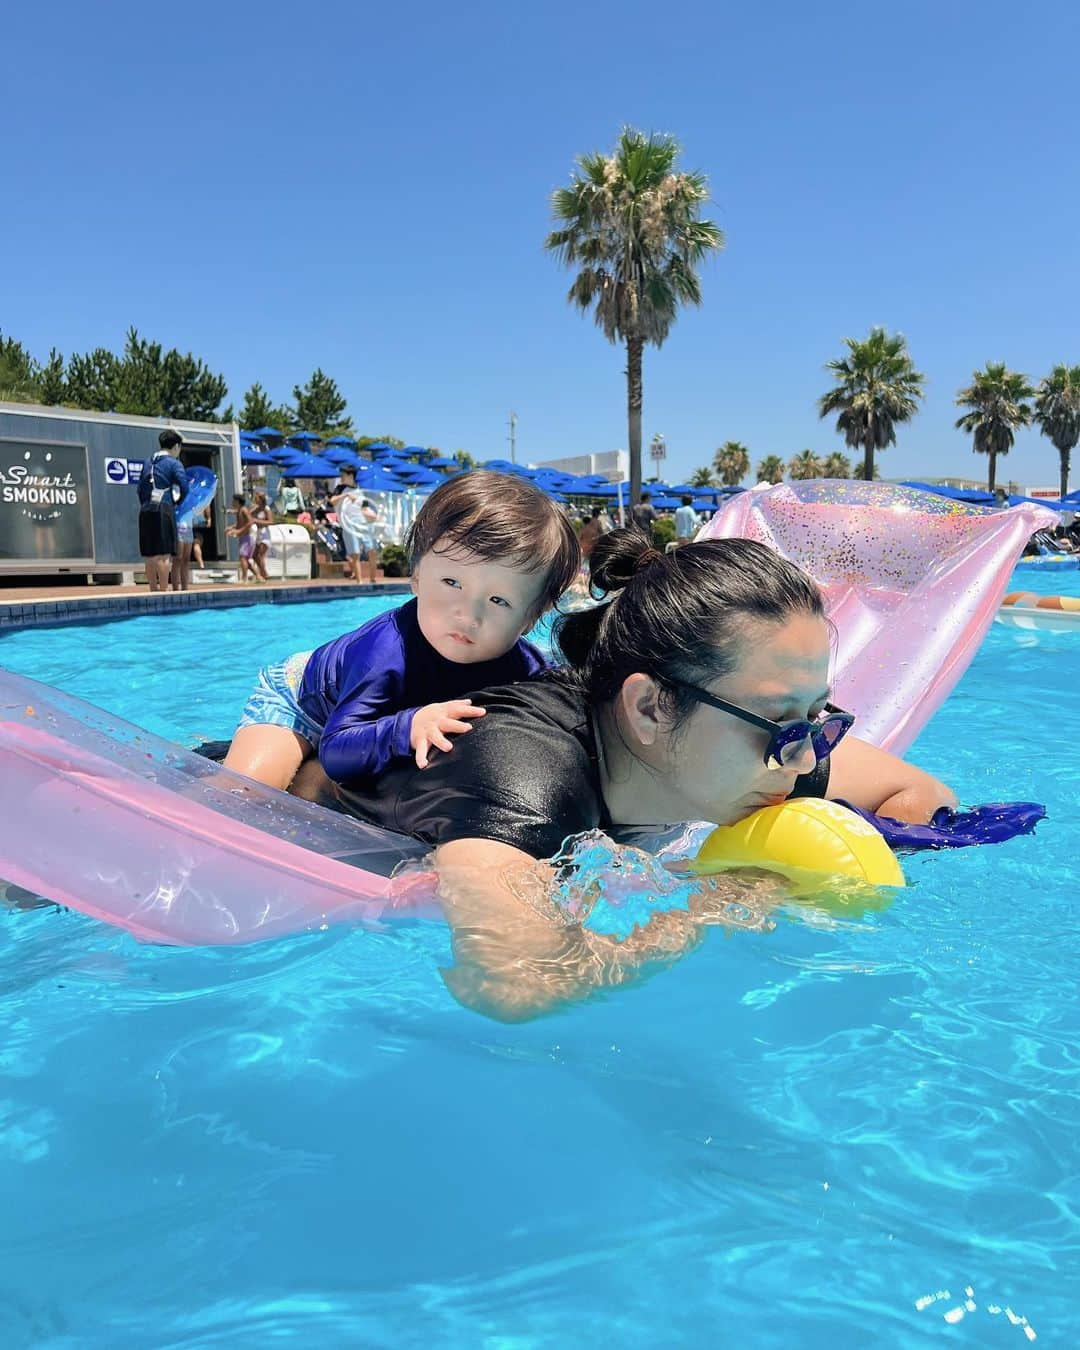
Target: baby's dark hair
{"type": "Point", "coordinates": [677, 616]}
{"type": "Point", "coordinates": [504, 519]}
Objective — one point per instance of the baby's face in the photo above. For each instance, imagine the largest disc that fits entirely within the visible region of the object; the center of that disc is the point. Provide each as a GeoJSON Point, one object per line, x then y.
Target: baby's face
{"type": "Point", "coordinates": [472, 609]}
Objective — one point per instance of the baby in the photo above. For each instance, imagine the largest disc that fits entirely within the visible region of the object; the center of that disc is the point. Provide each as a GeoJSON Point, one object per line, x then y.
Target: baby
{"type": "Point", "coordinates": [489, 554]}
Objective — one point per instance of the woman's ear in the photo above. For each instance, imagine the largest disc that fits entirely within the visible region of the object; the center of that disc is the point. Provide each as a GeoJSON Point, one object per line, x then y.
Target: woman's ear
{"type": "Point", "coordinates": [639, 699]}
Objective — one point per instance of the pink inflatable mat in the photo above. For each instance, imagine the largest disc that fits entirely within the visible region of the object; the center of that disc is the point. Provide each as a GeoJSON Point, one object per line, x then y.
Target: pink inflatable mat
{"type": "Point", "coordinates": [912, 582]}
{"type": "Point", "coordinates": [175, 849]}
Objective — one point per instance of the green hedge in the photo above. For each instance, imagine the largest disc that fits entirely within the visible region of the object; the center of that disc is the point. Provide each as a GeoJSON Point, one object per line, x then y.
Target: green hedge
{"type": "Point", "coordinates": [395, 561]}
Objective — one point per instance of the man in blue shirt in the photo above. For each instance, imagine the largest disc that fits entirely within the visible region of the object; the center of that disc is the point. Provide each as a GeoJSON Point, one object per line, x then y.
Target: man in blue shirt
{"type": "Point", "coordinates": [686, 522]}
{"type": "Point", "coordinates": [163, 489]}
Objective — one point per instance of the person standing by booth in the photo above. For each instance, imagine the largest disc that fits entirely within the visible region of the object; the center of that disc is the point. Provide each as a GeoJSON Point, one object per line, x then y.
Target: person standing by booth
{"type": "Point", "coordinates": [162, 489]}
{"type": "Point", "coordinates": [687, 523]}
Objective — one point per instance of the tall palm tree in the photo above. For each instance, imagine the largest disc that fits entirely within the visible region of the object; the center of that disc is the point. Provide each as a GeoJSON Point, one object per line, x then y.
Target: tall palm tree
{"type": "Point", "coordinates": [1057, 412]}
{"type": "Point", "coordinates": [877, 386]}
{"type": "Point", "coordinates": [732, 463]}
{"type": "Point", "coordinates": [836, 465]}
{"type": "Point", "coordinates": [771, 470]}
{"type": "Point", "coordinates": [630, 223]}
{"type": "Point", "coordinates": [804, 465]}
{"type": "Point", "coordinates": [702, 477]}
{"type": "Point", "coordinates": [995, 398]}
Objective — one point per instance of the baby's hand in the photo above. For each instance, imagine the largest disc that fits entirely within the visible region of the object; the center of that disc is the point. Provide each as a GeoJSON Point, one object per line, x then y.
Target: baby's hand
{"type": "Point", "coordinates": [430, 725]}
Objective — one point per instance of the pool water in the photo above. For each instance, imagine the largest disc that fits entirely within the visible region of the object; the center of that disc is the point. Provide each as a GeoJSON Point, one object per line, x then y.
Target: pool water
{"type": "Point", "coordinates": [821, 1135]}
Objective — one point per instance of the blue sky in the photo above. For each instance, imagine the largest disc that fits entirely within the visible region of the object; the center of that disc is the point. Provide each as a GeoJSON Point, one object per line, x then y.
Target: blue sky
{"type": "Point", "coordinates": [367, 190]}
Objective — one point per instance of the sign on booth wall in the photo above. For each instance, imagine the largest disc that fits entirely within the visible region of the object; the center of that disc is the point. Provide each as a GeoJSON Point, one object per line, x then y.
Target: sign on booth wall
{"type": "Point", "coordinates": [44, 502]}
{"type": "Point", "coordinates": [124, 472]}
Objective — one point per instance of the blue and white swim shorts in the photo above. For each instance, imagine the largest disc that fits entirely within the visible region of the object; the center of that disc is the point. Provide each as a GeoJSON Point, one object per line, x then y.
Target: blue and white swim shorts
{"type": "Point", "coordinates": [275, 700]}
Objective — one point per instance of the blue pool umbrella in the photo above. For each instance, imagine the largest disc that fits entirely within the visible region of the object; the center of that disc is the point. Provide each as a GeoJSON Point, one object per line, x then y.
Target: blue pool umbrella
{"type": "Point", "coordinates": [414, 450]}
{"type": "Point", "coordinates": [1016, 500]}
{"type": "Point", "coordinates": [425, 481]}
{"type": "Point", "coordinates": [311, 466]}
{"type": "Point", "coordinates": [971, 495]}
{"type": "Point", "coordinates": [378, 480]}
{"type": "Point", "coordinates": [268, 434]}
{"type": "Point", "coordinates": [441, 462]}
{"type": "Point", "coordinates": [304, 439]}
{"type": "Point", "coordinates": [665, 503]}
{"type": "Point", "coordinates": [249, 455]}
{"type": "Point", "coordinates": [346, 441]}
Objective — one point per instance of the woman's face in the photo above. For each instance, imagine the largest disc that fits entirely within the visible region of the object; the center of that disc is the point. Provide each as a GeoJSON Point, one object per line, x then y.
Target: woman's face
{"type": "Point", "coordinates": [714, 765]}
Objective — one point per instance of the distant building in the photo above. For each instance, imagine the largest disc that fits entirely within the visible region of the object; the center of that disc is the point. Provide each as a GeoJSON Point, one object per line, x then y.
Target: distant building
{"type": "Point", "coordinates": [614, 465]}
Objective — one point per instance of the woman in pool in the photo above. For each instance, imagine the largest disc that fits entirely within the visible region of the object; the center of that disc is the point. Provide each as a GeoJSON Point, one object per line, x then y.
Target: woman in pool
{"type": "Point", "coordinates": [699, 691]}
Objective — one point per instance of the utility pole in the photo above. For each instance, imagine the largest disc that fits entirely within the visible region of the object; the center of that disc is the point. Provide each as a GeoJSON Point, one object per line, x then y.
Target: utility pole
{"type": "Point", "coordinates": [512, 424]}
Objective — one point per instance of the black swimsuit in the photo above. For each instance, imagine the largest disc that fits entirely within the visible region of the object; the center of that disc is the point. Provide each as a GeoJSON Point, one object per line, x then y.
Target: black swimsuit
{"type": "Point", "coordinates": [527, 774]}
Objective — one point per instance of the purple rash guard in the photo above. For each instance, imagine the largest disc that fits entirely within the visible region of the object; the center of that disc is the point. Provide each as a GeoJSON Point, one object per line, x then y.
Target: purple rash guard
{"type": "Point", "coordinates": [365, 688]}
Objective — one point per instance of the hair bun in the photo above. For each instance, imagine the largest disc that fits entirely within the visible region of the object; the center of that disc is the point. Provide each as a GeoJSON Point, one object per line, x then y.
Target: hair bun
{"type": "Point", "coordinates": [618, 556]}
{"type": "Point", "coordinates": [647, 558]}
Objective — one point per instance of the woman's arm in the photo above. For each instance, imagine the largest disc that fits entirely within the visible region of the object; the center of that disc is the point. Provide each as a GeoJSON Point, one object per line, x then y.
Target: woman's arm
{"type": "Point", "coordinates": [515, 955]}
{"type": "Point", "coordinates": [881, 782]}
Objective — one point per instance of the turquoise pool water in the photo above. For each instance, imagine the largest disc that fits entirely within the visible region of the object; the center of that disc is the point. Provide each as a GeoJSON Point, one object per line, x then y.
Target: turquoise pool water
{"type": "Point", "coordinates": [796, 1138]}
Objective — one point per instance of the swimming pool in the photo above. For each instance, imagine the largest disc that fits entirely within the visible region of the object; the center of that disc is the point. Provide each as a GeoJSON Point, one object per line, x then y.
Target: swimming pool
{"type": "Point", "coordinates": [792, 1138]}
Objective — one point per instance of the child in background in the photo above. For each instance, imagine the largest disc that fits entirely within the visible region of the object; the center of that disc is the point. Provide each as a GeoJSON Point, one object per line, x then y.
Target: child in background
{"type": "Point", "coordinates": [489, 554]}
{"type": "Point", "coordinates": [244, 531]}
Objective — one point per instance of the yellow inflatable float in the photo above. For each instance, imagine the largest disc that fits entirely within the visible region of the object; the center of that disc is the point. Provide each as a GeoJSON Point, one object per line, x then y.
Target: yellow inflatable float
{"type": "Point", "coordinates": [807, 835]}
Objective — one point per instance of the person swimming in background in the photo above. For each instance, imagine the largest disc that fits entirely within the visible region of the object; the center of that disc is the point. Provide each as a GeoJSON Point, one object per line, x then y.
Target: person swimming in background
{"type": "Point", "coordinates": [489, 554]}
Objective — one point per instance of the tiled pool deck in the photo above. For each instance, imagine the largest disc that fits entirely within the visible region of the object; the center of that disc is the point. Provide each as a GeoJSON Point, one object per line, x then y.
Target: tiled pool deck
{"type": "Point", "coordinates": [46, 607]}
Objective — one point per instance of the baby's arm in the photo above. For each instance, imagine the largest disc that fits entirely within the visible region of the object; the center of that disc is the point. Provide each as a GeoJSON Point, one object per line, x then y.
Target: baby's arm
{"type": "Point", "coordinates": [367, 729]}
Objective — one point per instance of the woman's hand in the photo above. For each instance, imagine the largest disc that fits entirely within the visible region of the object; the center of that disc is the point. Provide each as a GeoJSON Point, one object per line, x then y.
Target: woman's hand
{"type": "Point", "coordinates": [431, 725]}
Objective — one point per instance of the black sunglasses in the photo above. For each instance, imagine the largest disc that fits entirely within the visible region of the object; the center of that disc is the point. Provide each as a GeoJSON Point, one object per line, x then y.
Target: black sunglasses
{"type": "Point", "coordinates": [785, 738]}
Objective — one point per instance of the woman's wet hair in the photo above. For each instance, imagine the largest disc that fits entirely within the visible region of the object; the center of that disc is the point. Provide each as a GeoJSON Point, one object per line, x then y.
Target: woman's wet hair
{"type": "Point", "coordinates": [682, 615]}
{"type": "Point", "coordinates": [238, 499]}
{"type": "Point", "coordinates": [504, 519]}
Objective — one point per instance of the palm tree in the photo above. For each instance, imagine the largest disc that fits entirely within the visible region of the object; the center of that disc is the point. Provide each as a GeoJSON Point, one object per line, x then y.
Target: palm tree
{"type": "Point", "coordinates": [1057, 412]}
{"type": "Point", "coordinates": [771, 470]}
{"type": "Point", "coordinates": [702, 477]}
{"type": "Point", "coordinates": [804, 465]}
{"type": "Point", "coordinates": [836, 465]}
{"type": "Point", "coordinates": [877, 387]}
{"type": "Point", "coordinates": [630, 223]}
{"type": "Point", "coordinates": [732, 463]}
{"type": "Point", "coordinates": [996, 398]}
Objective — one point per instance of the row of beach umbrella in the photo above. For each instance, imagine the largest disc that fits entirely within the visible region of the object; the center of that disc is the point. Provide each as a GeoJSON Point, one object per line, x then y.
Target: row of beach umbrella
{"type": "Point", "coordinates": [396, 470]}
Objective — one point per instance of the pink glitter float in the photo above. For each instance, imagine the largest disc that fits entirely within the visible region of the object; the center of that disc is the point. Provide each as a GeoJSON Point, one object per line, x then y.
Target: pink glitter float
{"type": "Point", "coordinates": [912, 582]}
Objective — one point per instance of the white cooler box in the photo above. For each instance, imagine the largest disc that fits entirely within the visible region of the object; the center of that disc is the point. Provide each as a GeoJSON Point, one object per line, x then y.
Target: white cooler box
{"type": "Point", "coordinates": [290, 552]}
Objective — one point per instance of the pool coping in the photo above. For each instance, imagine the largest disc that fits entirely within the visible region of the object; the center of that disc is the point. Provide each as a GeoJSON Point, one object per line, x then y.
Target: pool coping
{"type": "Point", "coordinates": [69, 609]}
